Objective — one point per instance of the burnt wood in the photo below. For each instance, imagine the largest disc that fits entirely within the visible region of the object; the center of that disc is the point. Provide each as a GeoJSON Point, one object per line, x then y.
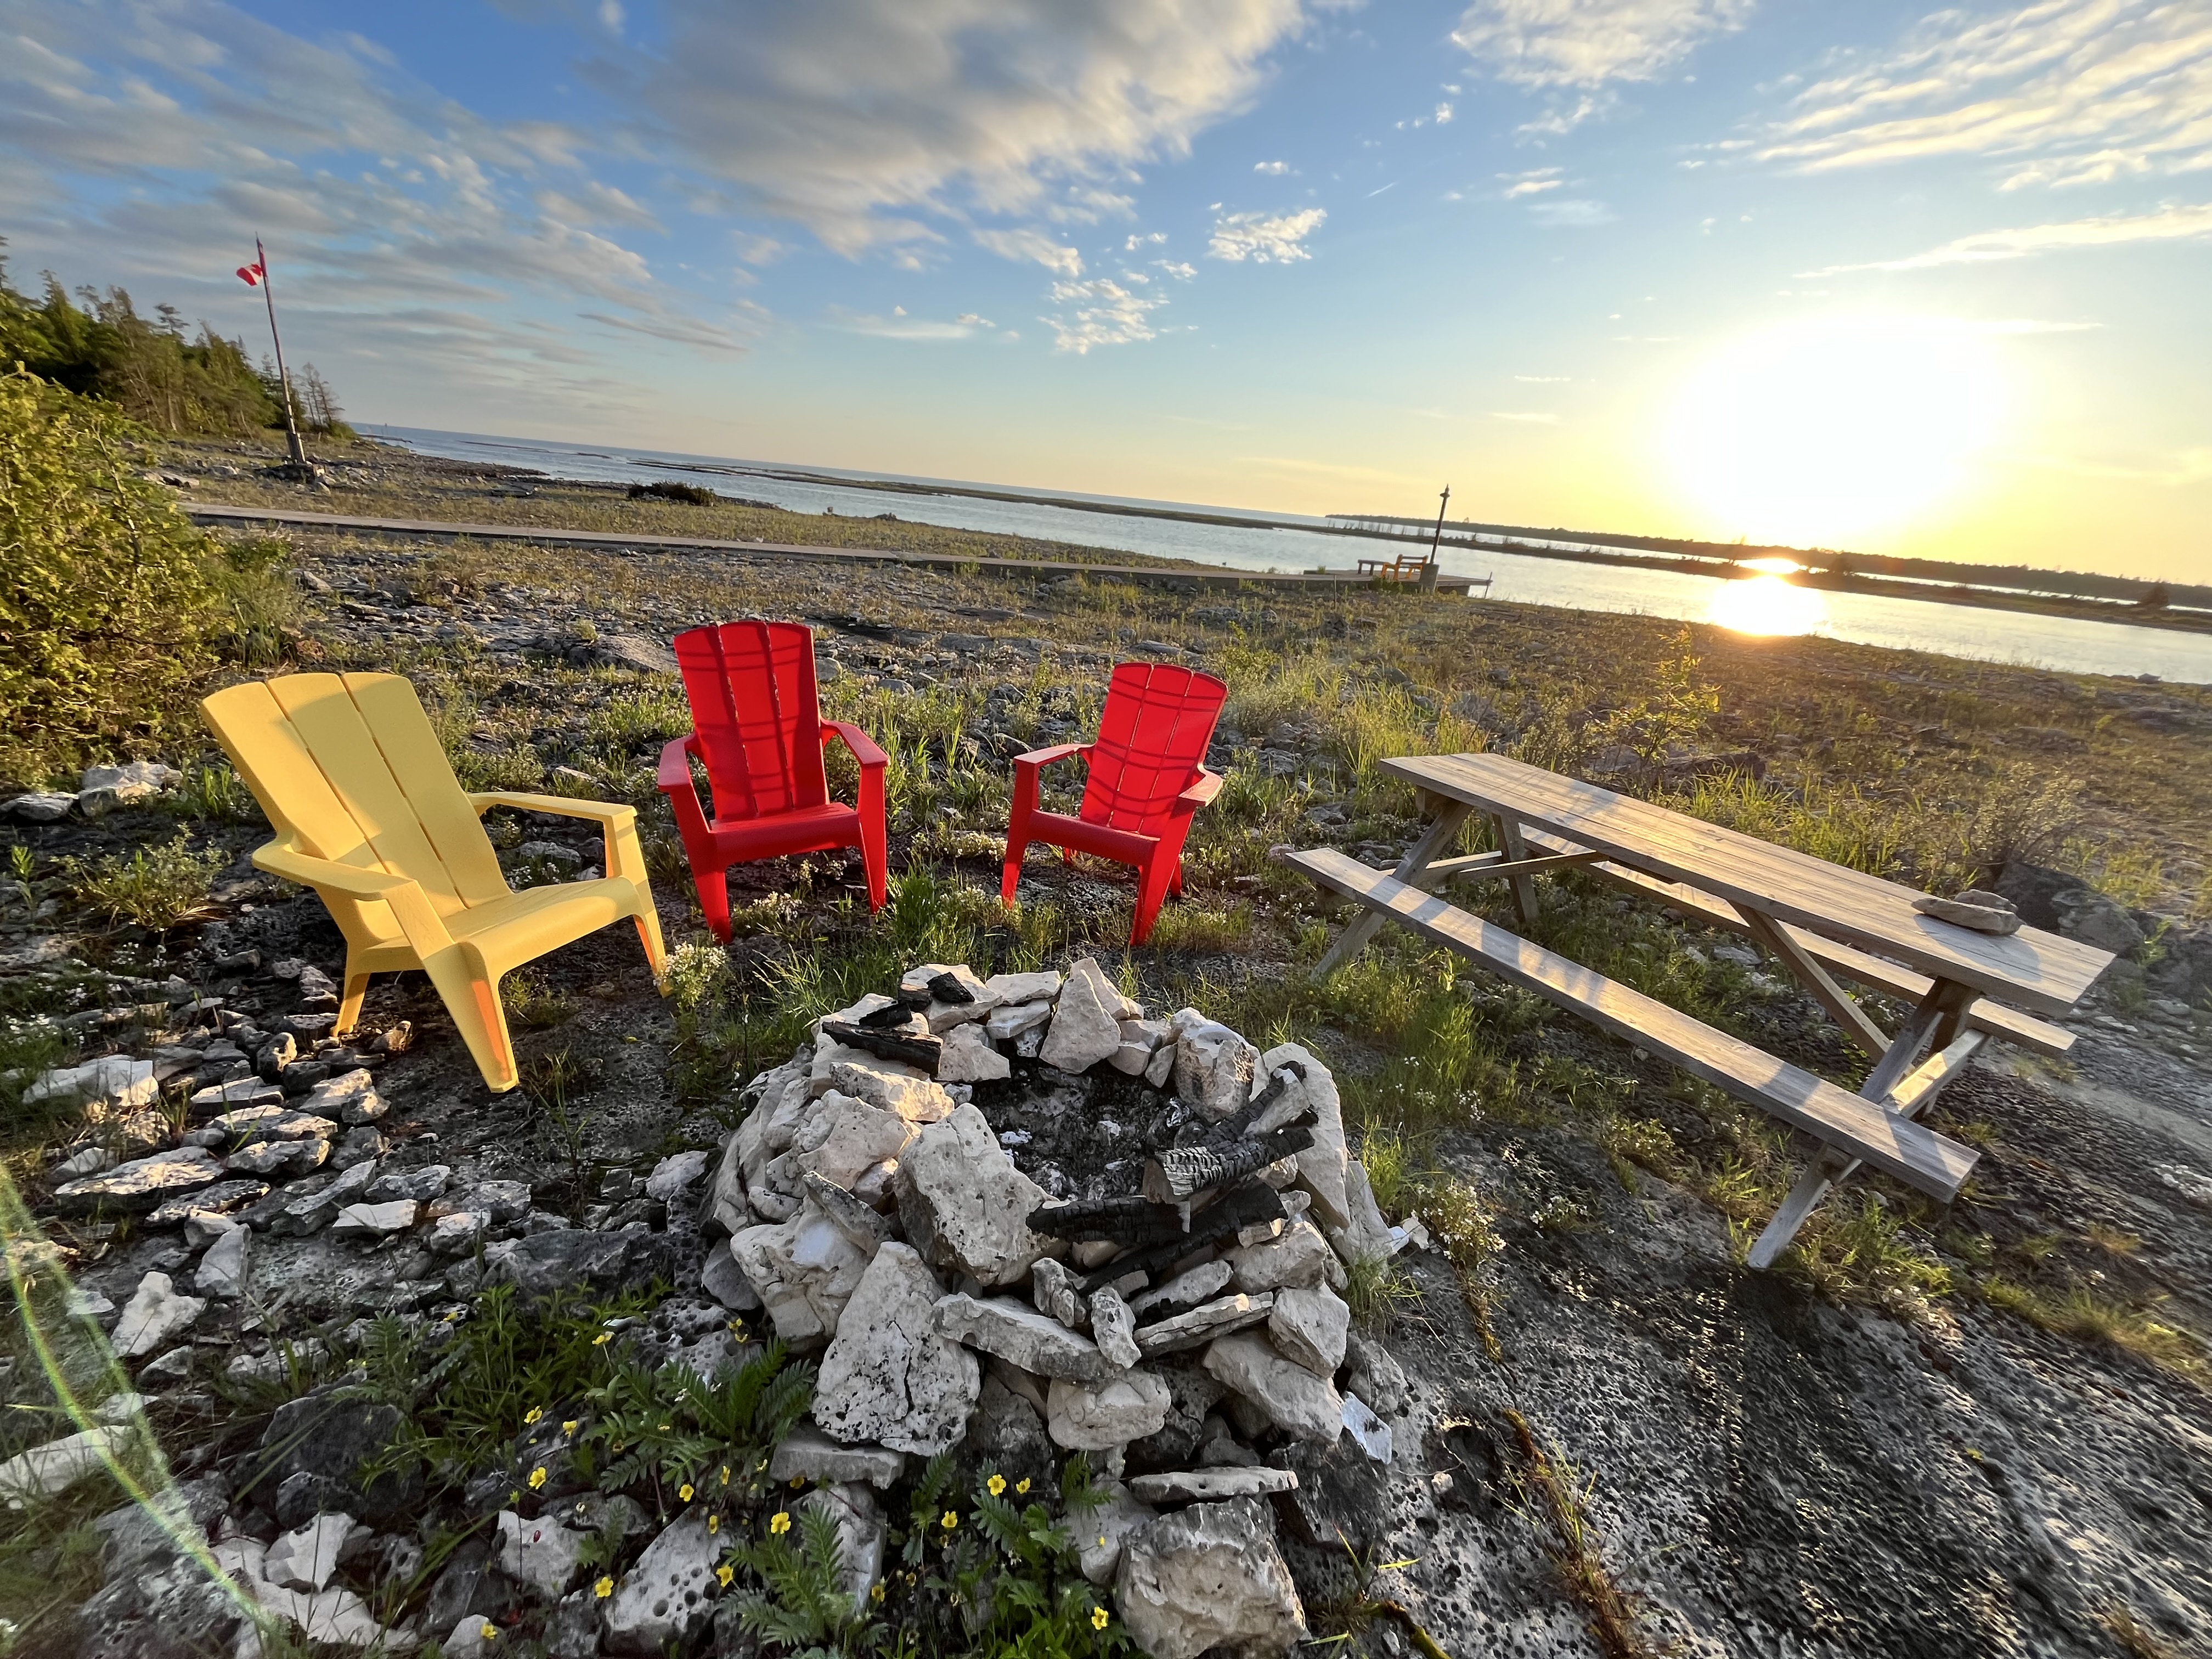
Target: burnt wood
{"type": "Point", "coordinates": [920, 1051]}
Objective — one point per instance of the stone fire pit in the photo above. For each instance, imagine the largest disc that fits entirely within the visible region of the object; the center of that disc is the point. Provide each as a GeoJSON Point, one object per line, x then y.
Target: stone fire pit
{"type": "Point", "coordinates": [1015, 1214]}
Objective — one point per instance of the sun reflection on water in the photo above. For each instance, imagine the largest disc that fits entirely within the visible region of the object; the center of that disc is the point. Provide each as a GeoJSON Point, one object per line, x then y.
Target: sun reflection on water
{"type": "Point", "coordinates": [1766, 604]}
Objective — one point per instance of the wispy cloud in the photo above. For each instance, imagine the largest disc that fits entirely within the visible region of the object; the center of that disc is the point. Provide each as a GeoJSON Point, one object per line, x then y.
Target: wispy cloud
{"type": "Point", "coordinates": [1100, 313]}
{"type": "Point", "coordinates": [1026, 242]}
{"type": "Point", "coordinates": [1263, 238]}
{"type": "Point", "coordinates": [1571, 214]}
{"type": "Point", "coordinates": [1272, 169]}
{"type": "Point", "coordinates": [1533, 183]}
{"type": "Point", "coordinates": [2172, 224]}
{"type": "Point", "coordinates": [1578, 50]}
{"type": "Point", "coordinates": [2058, 93]}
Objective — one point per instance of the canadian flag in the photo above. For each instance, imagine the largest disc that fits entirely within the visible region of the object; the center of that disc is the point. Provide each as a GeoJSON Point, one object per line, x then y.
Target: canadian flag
{"type": "Point", "coordinates": [252, 274]}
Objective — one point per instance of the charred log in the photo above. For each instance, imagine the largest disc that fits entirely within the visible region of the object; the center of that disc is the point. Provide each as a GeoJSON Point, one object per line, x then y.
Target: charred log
{"type": "Point", "coordinates": [1130, 1222]}
{"type": "Point", "coordinates": [918, 1051]}
{"type": "Point", "coordinates": [1254, 1203]}
{"type": "Point", "coordinates": [1179, 1172]}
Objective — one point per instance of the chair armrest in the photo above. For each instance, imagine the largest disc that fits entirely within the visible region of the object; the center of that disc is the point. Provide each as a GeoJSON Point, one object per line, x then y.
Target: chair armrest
{"type": "Point", "coordinates": [1203, 789]}
{"type": "Point", "coordinates": [676, 762]}
{"type": "Point", "coordinates": [862, 746]}
{"type": "Point", "coordinates": [425, 931]}
{"type": "Point", "coordinates": [606, 812]}
{"type": "Point", "coordinates": [1059, 751]}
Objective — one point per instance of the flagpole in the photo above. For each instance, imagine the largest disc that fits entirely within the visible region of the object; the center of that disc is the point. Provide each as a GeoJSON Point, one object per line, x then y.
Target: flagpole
{"type": "Point", "coordinates": [283, 380]}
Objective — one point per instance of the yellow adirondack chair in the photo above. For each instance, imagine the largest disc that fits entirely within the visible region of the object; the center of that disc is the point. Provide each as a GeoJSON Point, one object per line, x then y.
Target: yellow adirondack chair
{"type": "Point", "coordinates": [368, 813]}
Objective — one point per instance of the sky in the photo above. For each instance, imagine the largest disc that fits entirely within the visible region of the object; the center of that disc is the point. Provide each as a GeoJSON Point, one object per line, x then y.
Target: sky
{"type": "Point", "coordinates": [1854, 275]}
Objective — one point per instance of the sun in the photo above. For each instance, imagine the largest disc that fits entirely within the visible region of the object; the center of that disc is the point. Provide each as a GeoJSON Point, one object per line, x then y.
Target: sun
{"type": "Point", "coordinates": [1821, 435]}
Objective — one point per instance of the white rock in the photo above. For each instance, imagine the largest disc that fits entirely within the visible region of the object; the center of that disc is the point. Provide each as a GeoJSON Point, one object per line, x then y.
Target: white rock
{"type": "Point", "coordinates": [456, 1234]}
{"type": "Point", "coordinates": [943, 1017]}
{"type": "Point", "coordinates": [1372, 1433]}
{"type": "Point", "coordinates": [807, 1454]}
{"type": "Point", "coordinates": [1213, 1065]}
{"type": "Point", "coordinates": [473, 1637]}
{"type": "Point", "coordinates": [725, 1198]}
{"type": "Point", "coordinates": [1301, 1257]}
{"type": "Point", "coordinates": [279, 1160]}
{"type": "Point", "coordinates": [58, 1465]}
{"type": "Point", "coordinates": [829, 1054]}
{"type": "Point", "coordinates": [673, 1175]}
{"type": "Point", "coordinates": [336, 1616]}
{"type": "Point", "coordinates": [1141, 1039]}
{"type": "Point", "coordinates": [1022, 1336]}
{"type": "Point", "coordinates": [964, 1203]}
{"type": "Point", "coordinates": [846, 1136]}
{"type": "Point", "coordinates": [848, 1213]}
{"type": "Point", "coordinates": [968, 1057]}
{"type": "Point", "coordinates": [1210, 1576]}
{"type": "Point", "coordinates": [221, 1271]}
{"type": "Point", "coordinates": [375, 1220]}
{"type": "Point", "coordinates": [890, 1376]}
{"type": "Point", "coordinates": [1203, 1323]}
{"type": "Point", "coordinates": [155, 1314]}
{"type": "Point", "coordinates": [140, 1185]}
{"type": "Point", "coordinates": [861, 1534]}
{"type": "Point", "coordinates": [1094, 1416]}
{"type": "Point", "coordinates": [424, 1184]}
{"type": "Point", "coordinates": [90, 1161]}
{"type": "Point", "coordinates": [1365, 1236]}
{"type": "Point", "coordinates": [1162, 1066]}
{"type": "Point", "coordinates": [1309, 1326]}
{"type": "Point", "coordinates": [238, 1092]}
{"type": "Point", "coordinates": [726, 1281]}
{"type": "Point", "coordinates": [1113, 1328]}
{"type": "Point", "coordinates": [351, 1097]}
{"type": "Point", "coordinates": [41, 806]}
{"type": "Point", "coordinates": [305, 1558]}
{"type": "Point", "coordinates": [805, 1271]}
{"type": "Point", "coordinates": [1186, 1289]}
{"type": "Point", "coordinates": [1086, 1021]}
{"type": "Point", "coordinates": [1320, 1166]}
{"type": "Point", "coordinates": [542, 1554]}
{"type": "Point", "coordinates": [899, 1090]}
{"type": "Point", "coordinates": [1292, 1397]}
{"type": "Point", "coordinates": [1012, 989]}
{"type": "Point", "coordinates": [669, 1594]}
{"type": "Point", "coordinates": [1006, 1023]}
{"type": "Point", "coordinates": [1100, 1532]}
{"type": "Point", "coordinates": [115, 1083]}
{"type": "Point", "coordinates": [1052, 1291]}
{"type": "Point", "coordinates": [107, 787]}
{"type": "Point", "coordinates": [1211, 1485]}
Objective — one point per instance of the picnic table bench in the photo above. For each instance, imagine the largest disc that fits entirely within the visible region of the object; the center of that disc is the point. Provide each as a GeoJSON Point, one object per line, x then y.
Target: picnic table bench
{"type": "Point", "coordinates": [1818, 919]}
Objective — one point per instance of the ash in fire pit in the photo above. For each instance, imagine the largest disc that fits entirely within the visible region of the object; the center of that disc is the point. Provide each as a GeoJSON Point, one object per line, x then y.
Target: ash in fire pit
{"type": "Point", "coordinates": [1017, 1214]}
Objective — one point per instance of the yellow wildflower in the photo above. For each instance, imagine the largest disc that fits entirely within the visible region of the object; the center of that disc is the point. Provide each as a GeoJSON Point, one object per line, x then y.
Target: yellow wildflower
{"type": "Point", "coordinates": [533, 1414]}
{"type": "Point", "coordinates": [538, 1477]}
{"type": "Point", "coordinates": [948, 1521]}
{"type": "Point", "coordinates": [997, 1484]}
{"type": "Point", "coordinates": [726, 1475]}
{"type": "Point", "coordinates": [684, 1491]}
{"type": "Point", "coordinates": [603, 1339]}
{"type": "Point", "coordinates": [797, 1482]}
{"type": "Point", "coordinates": [488, 1631]}
{"type": "Point", "coordinates": [875, 1592]}
{"type": "Point", "coordinates": [713, 1525]}
{"type": "Point", "coordinates": [604, 1589]}
{"type": "Point", "coordinates": [779, 1522]}
{"type": "Point", "coordinates": [572, 1425]}
{"type": "Point", "coordinates": [724, 1573]}
{"type": "Point", "coordinates": [1098, 1618]}
{"type": "Point", "coordinates": [1022, 1485]}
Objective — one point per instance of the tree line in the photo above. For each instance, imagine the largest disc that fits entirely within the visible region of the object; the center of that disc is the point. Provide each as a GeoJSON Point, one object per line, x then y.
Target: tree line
{"type": "Point", "coordinates": [99, 345]}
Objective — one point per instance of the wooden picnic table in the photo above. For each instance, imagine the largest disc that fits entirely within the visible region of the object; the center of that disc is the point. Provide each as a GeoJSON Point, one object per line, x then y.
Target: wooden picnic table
{"type": "Point", "coordinates": [1812, 916]}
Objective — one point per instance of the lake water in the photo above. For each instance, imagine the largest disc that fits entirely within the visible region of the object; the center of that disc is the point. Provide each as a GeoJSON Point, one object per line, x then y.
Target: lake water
{"type": "Point", "coordinates": [2062, 642]}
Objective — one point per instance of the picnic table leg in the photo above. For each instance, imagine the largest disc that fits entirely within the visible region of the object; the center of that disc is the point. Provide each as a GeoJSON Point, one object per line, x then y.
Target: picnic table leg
{"type": "Point", "coordinates": [1839, 1003]}
{"type": "Point", "coordinates": [1515, 849]}
{"type": "Point", "coordinates": [1942, 1009]}
{"type": "Point", "coordinates": [1442, 830]}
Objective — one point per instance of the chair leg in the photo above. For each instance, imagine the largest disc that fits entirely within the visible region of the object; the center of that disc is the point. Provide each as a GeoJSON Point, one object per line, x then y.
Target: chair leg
{"type": "Point", "coordinates": [713, 886]}
{"type": "Point", "coordinates": [471, 997]}
{"type": "Point", "coordinates": [648, 933]}
{"type": "Point", "coordinates": [875, 856]}
{"type": "Point", "coordinates": [356, 988]}
{"type": "Point", "coordinates": [1010, 878]}
{"type": "Point", "coordinates": [1153, 880]}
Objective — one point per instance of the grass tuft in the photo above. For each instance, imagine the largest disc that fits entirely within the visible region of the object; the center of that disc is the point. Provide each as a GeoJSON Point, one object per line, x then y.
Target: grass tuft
{"type": "Point", "coordinates": [156, 888]}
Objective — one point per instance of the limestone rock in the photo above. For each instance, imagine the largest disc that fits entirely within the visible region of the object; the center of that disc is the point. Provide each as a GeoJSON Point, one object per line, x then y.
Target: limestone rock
{"type": "Point", "coordinates": [114, 1083]}
{"type": "Point", "coordinates": [945, 1017]}
{"type": "Point", "coordinates": [846, 1136]}
{"type": "Point", "coordinates": [1320, 1166]}
{"type": "Point", "coordinates": [847, 1212]}
{"type": "Point", "coordinates": [1374, 1376]}
{"type": "Point", "coordinates": [1213, 1065]}
{"type": "Point", "coordinates": [1210, 1576]}
{"type": "Point", "coordinates": [726, 1281]}
{"type": "Point", "coordinates": [541, 1554]}
{"type": "Point", "coordinates": [421, 1184]}
{"type": "Point", "coordinates": [890, 1376]}
{"type": "Point", "coordinates": [899, 1090]}
{"type": "Point", "coordinates": [669, 1594]}
{"type": "Point", "coordinates": [1023, 988]}
{"type": "Point", "coordinates": [1141, 1039]}
{"type": "Point", "coordinates": [58, 1465]}
{"type": "Point", "coordinates": [1300, 1257]}
{"type": "Point", "coordinates": [1185, 1290]}
{"type": "Point", "coordinates": [805, 1271]}
{"type": "Point", "coordinates": [136, 1186]}
{"type": "Point", "coordinates": [221, 1271]}
{"type": "Point", "coordinates": [1052, 1289]}
{"type": "Point", "coordinates": [963, 1203]}
{"type": "Point", "coordinates": [107, 787]}
{"type": "Point", "coordinates": [313, 1211]}
{"type": "Point", "coordinates": [673, 1174]}
{"type": "Point", "coordinates": [1086, 1021]}
{"type": "Point", "coordinates": [829, 1054]}
{"type": "Point", "coordinates": [1022, 1336]}
{"type": "Point", "coordinates": [807, 1454]}
{"type": "Point", "coordinates": [725, 1196]}
{"type": "Point", "coordinates": [1292, 1397]}
{"type": "Point", "coordinates": [351, 1097]}
{"type": "Point", "coordinates": [968, 1057]}
{"type": "Point", "coordinates": [375, 1220]}
{"type": "Point", "coordinates": [1211, 1485]}
{"type": "Point", "coordinates": [1113, 1328]}
{"type": "Point", "coordinates": [1203, 1323]}
{"type": "Point", "coordinates": [1100, 1534]}
{"type": "Point", "coordinates": [1094, 1416]}
{"type": "Point", "coordinates": [305, 1558]}
{"type": "Point", "coordinates": [219, 1098]}
{"type": "Point", "coordinates": [1369, 1432]}
{"type": "Point", "coordinates": [572, 1258]}
{"type": "Point", "coordinates": [1365, 1236]}
{"type": "Point", "coordinates": [1008, 1023]}
{"type": "Point", "coordinates": [1309, 1325]}
{"type": "Point", "coordinates": [279, 1160]}
{"type": "Point", "coordinates": [861, 1534]}
{"type": "Point", "coordinates": [155, 1314]}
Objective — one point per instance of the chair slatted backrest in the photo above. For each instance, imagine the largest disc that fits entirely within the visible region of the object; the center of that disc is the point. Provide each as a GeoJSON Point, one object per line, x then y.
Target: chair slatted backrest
{"type": "Point", "coordinates": [1152, 735]}
{"type": "Point", "coordinates": [758, 713]}
{"type": "Point", "coordinates": [350, 766]}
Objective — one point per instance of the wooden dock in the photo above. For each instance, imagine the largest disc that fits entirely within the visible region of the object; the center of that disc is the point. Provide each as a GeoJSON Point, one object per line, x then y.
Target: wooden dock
{"type": "Point", "coordinates": [1188, 577]}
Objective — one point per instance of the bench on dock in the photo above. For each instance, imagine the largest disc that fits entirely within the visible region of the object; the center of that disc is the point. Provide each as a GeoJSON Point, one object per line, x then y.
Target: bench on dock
{"type": "Point", "coordinates": [1817, 919]}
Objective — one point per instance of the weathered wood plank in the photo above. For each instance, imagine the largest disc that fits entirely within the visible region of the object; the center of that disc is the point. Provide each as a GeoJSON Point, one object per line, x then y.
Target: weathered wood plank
{"type": "Point", "coordinates": [1858, 1128]}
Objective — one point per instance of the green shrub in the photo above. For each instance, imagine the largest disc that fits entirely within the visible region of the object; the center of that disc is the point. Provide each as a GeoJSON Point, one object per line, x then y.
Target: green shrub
{"type": "Point", "coordinates": [155, 887]}
{"type": "Point", "coordinates": [104, 592]}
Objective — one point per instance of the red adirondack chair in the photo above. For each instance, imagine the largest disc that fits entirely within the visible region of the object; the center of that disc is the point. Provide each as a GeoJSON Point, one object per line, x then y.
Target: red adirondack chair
{"type": "Point", "coordinates": [758, 722]}
{"type": "Point", "coordinates": [1146, 780]}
